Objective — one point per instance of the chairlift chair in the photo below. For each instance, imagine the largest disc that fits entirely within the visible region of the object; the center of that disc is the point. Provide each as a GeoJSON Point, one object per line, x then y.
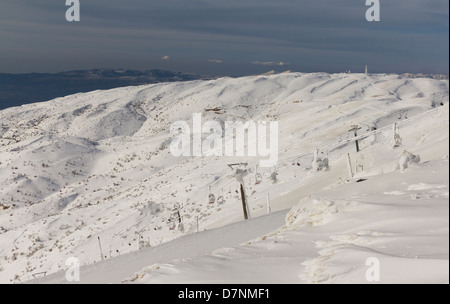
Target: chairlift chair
{"type": "Point", "coordinates": [211, 197]}
{"type": "Point", "coordinates": [221, 199]}
{"type": "Point", "coordinates": [258, 178]}
{"type": "Point", "coordinates": [172, 224]}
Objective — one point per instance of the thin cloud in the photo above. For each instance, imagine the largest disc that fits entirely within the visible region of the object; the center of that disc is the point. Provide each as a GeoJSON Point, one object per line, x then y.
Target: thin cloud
{"type": "Point", "coordinates": [165, 58]}
{"type": "Point", "coordinates": [269, 63]}
{"type": "Point", "coordinates": [215, 60]}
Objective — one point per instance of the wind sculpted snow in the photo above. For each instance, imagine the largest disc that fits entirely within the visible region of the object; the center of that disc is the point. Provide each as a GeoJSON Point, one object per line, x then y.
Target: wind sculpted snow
{"type": "Point", "coordinates": [97, 165]}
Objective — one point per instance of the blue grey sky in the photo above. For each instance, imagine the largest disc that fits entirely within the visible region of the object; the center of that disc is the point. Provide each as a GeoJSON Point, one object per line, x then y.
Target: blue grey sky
{"type": "Point", "coordinates": [227, 37]}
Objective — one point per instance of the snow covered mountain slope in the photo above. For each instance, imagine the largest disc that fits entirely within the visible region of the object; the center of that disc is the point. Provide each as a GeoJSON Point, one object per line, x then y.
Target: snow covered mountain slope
{"type": "Point", "coordinates": [98, 165]}
{"type": "Point", "coordinates": [115, 270]}
{"type": "Point", "coordinates": [329, 239]}
{"type": "Point", "coordinates": [400, 218]}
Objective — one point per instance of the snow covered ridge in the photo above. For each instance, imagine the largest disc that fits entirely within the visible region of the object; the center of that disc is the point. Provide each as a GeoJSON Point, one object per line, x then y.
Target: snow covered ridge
{"type": "Point", "coordinates": [432, 76]}
{"type": "Point", "coordinates": [97, 166]}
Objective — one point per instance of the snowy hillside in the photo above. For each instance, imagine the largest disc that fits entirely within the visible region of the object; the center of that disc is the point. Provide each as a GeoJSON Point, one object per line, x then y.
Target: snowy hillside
{"type": "Point", "coordinates": [98, 166]}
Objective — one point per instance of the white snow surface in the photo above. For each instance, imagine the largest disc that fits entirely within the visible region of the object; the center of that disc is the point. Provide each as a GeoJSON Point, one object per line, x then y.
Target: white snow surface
{"type": "Point", "coordinates": [98, 165]}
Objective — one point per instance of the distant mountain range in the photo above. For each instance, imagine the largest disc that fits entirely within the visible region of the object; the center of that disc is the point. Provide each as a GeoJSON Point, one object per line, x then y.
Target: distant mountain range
{"type": "Point", "coordinates": [19, 89]}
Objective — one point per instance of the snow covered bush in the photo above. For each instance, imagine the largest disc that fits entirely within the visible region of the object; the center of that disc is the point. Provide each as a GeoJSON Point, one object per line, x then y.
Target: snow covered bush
{"type": "Point", "coordinates": [406, 159]}
{"type": "Point", "coordinates": [397, 140]}
{"type": "Point", "coordinates": [319, 163]}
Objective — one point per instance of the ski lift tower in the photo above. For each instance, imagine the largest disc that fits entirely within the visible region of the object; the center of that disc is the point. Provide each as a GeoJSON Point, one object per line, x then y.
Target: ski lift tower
{"type": "Point", "coordinates": [141, 242]}
{"type": "Point", "coordinates": [240, 172]}
{"type": "Point", "coordinates": [355, 129]}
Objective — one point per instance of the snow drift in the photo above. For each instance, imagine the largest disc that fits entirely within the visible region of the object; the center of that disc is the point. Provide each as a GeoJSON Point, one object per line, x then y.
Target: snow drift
{"type": "Point", "coordinates": [97, 165]}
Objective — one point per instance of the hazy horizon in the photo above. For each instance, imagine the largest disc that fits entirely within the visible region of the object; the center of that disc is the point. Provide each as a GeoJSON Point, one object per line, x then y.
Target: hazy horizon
{"type": "Point", "coordinates": [277, 71]}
